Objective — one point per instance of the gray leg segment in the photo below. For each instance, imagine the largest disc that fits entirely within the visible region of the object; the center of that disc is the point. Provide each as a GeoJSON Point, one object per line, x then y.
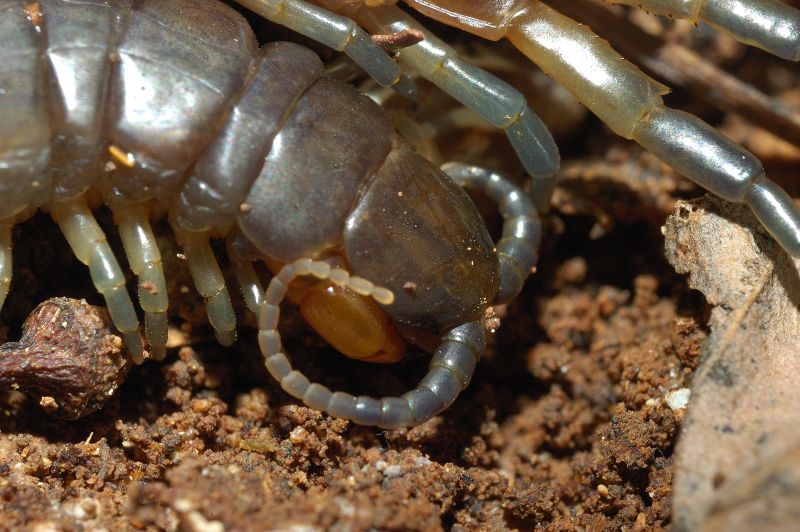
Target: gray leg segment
{"type": "Point", "coordinates": [489, 96]}
{"type": "Point", "coordinates": [702, 154]}
{"type": "Point", "coordinates": [450, 371]}
{"type": "Point", "coordinates": [337, 32]}
{"type": "Point", "coordinates": [770, 25]}
{"type": "Point", "coordinates": [518, 248]}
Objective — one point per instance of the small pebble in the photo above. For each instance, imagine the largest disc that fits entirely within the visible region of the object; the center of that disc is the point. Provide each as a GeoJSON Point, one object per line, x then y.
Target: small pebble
{"type": "Point", "coordinates": [678, 399]}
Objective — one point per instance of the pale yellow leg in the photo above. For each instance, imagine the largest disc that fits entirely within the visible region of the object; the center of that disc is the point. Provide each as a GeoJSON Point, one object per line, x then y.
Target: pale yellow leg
{"type": "Point", "coordinates": [90, 246]}
{"type": "Point", "coordinates": [144, 258]}
{"type": "Point", "coordinates": [209, 281]}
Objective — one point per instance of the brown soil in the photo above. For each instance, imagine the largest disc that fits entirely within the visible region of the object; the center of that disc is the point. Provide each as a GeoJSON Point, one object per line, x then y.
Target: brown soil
{"type": "Point", "coordinates": [565, 425]}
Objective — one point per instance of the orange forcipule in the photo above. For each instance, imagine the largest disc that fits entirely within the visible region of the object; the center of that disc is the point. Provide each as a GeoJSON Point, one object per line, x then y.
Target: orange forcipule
{"type": "Point", "coordinates": [353, 324]}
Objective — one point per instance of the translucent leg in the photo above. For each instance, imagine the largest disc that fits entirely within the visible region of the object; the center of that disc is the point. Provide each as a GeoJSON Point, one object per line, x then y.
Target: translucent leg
{"type": "Point", "coordinates": [767, 24]}
{"type": "Point", "coordinates": [209, 281]}
{"type": "Point", "coordinates": [90, 246]}
{"type": "Point", "coordinates": [5, 261]}
{"type": "Point", "coordinates": [242, 255]}
{"type": "Point", "coordinates": [489, 96]}
{"type": "Point", "coordinates": [771, 25]}
{"type": "Point", "coordinates": [518, 248]}
{"type": "Point", "coordinates": [630, 103]}
{"type": "Point", "coordinates": [337, 32]}
{"type": "Point", "coordinates": [145, 261]}
{"type": "Point", "coordinates": [450, 371]}
{"type": "Point", "coordinates": [702, 154]}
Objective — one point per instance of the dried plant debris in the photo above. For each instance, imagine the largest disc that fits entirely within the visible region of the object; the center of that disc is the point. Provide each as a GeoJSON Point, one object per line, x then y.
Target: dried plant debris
{"type": "Point", "coordinates": [738, 459]}
{"type": "Point", "coordinates": [624, 184]}
{"type": "Point", "coordinates": [69, 358]}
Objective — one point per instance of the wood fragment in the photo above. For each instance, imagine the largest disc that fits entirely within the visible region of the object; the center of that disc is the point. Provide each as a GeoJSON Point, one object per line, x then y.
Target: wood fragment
{"type": "Point", "coordinates": [69, 359]}
{"type": "Point", "coordinates": [738, 458]}
{"type": "Point", "coordinates": [400, 39]}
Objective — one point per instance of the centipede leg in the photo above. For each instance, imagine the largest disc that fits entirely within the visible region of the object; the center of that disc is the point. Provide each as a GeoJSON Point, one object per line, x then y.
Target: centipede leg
{"type": "Point", "coordinates": [90, 246]}
{"type": "Point", "coordinates": [701, 153]}
{"type": "Point", "coordinates": [767, 24]}
{"type": "Point", "coordinates": [208, 280]}
{"type": "Point", "coordinates": [450, 371]}
{"type": "Point", "coordinates": [489, 96]}
{"type": "Point", "coordinates": [339, 33]}
{"type": "Point", "coordinates": [252, 292]}
{"type": "Point", "coordinates": [144, 258]}
{"type": "Point", "coordinates": [631, 104]}
{"type": "Point", "coordinates": [242, 257]}
{"type": "Point", "coordinates": [518, 248]}
{"type": "Point", "coordinates": [5, 261]}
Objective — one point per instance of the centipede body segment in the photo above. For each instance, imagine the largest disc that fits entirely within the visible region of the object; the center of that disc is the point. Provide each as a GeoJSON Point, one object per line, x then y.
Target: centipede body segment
{"type": "Point", "coordinates": [173, 108]}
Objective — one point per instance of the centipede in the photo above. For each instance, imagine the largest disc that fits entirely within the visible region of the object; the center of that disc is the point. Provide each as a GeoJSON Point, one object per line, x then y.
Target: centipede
{"type": "Point", "coordinates": [173, 110]}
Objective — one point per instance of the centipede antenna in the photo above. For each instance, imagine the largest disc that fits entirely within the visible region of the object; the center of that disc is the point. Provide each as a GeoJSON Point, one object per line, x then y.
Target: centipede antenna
{"type": "Point", "coordinates": [518, 248]}
{"type": "Point", "coordinates": [5, 262]}
{"type": "Point", "coordinates": [144, 258]}
{"type": "Point", "coordinates": [337, 32]}
{"type": "Point", "coordinates": [209, 281]}
{"type": "Point", "coordinates": [450, 370]}
{"type": "Point", "coordinates": [90, 246]}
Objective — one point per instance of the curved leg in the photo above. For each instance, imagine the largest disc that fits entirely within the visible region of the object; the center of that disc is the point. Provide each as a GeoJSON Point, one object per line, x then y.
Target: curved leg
{"type": "Point", "coordinates": [518, 248]}
{"type": "Point", "coordinates": [450, 371]}
{"type": "Point", "coordinates": [767, 24]}
{"type": "Point", "coordinates": [630, 103]}
{"type": "Point", "coordinates": [492, 98]}
{"type": "Point", "coordinates": [209, 281]}
{"type": "Point", "coordinates": [700, 152]}
{"type": "Point", "coordinates": [144, 258]}
{"type": "Point", "coordinates": [337, 32]}
{"type": "Point", "coordinates": [5, 261]}
{"type": "Point", "coordinates": [90, 246]}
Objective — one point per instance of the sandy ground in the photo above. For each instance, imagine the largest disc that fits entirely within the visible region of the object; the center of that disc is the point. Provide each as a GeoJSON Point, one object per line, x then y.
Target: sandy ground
{"type": "Point", "coordinates": [564, 425]}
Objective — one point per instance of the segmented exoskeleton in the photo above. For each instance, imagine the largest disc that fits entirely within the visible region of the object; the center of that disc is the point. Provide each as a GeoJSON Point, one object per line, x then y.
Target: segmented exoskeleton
{"type": "Point", "coordinates": [169, 107]}
{"type": "Point", "coordinates": [628, 101]}
{"type": "Point", "coordinates": [172, 108]}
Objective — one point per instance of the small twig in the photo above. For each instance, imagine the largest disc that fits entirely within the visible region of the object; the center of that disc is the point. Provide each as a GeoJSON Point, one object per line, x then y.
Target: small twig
{"type": "Point", "coordinates": [401, 39]}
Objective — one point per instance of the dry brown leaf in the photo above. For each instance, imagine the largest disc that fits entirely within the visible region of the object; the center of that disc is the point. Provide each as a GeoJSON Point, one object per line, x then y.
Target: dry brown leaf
{"type": "Point", "coordinates": [738, 458]}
